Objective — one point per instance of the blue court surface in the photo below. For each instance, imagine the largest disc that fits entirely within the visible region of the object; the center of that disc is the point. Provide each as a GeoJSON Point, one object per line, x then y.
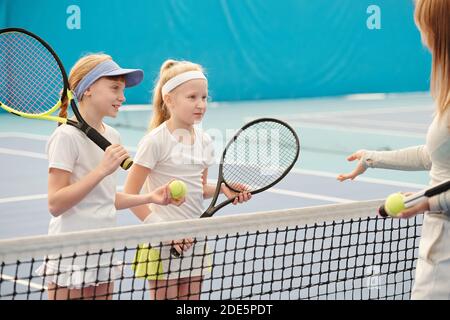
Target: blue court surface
{"type": "Point", "coordinates": [329, 130]}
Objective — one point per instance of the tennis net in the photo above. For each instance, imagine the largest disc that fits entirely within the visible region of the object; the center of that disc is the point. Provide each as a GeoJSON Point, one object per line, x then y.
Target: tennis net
{"type": "Point", "coordinates": [341, 251]}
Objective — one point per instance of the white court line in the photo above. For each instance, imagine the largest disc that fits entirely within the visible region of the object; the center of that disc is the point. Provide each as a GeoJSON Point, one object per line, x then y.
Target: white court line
{"type": "Point", "coordinates": [23, 153]}
{"type": "Point", "coordinates": [27, 284]}
{"type": "Point", "coordinates": [38, 137]}
{"type": "Point", "coordinates": [358, 122]}
{"type": "Point", "coordinates": [334, 114]}
{"type": "Point", "coordinates": [33, 197]}
{"type": "Point", "coordinates": [384, 96]}
{"type": "Point", "coordinates": [366, 96]}
{"type": "Point", "coordinates": [362, 179]}
{"type": "Point", "coordinates": [136, 107]}
{"type": "Point", "coordinates": [23, 198]}
{"type": "Point", "coordinates": [344, 128]}
{"type": "Point", "coordinates": [390, 110]}
{"type": "Point", "coordinates": [32, 136]}
{"type": "Point", "coordinates": [309, 196]}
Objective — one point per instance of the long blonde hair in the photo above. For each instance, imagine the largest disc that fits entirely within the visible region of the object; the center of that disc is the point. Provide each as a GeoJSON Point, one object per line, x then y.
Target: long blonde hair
{"type": "Point", "coordinates": [169, 69]}
{"type": "Point", "coordinates": [433, 19]}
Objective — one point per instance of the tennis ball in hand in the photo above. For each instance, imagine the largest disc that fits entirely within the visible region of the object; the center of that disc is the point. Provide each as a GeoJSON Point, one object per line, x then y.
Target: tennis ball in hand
{"type": "Point", "coordinates": [178, 189]}
{"type": "Point", "coordinates": [395, 204]}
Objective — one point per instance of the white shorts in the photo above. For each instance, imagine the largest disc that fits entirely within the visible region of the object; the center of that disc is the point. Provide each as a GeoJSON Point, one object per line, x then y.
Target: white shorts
{"type": "Point", "coordinates": [80, 272]}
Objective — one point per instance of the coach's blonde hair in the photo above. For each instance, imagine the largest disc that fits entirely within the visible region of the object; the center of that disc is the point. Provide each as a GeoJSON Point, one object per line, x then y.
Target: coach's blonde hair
{"type": "Point", "coordinates": [169, 69]}
{"type": "Point", "coordinates": [433, 20]}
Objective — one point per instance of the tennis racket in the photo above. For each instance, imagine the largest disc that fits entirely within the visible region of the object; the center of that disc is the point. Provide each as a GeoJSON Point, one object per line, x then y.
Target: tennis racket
{"type": "Point", "coordinates": [259, 156]}
{"type": "Point", "coordinates": [33, 83]}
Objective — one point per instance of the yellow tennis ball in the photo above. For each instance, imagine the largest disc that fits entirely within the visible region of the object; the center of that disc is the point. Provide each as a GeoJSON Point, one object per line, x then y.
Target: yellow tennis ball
{"type": "Point", "coordinates": [178, 189]}
{"type": "Point", "coordinates": [395, 204]}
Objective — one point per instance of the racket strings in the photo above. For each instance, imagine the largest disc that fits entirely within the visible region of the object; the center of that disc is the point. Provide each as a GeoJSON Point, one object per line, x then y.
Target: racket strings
{"type": "Point", "coordinates": [43, 89]}
{"type": "Point", "coordinates": [13, 60]}
{"type": "Point", "coordinates": [33, 51]}
{"type": "Point", "coordinates": [259, 156]}
{"type": "Point", "coordinates": [19, 74]}
{"type": "Point", "coordinates": [31, 81]}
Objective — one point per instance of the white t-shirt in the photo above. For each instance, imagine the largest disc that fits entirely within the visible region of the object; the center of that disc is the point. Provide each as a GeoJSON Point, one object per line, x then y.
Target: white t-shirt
{"type": "Point", "coordinates": [169, 159]}
{"type": "Point", "coordinates": [70, 149]}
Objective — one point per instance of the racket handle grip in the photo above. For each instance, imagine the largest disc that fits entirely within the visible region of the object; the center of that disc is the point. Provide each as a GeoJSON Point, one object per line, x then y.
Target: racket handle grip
{"type": "Point", "coordinates": [99, 140]}
{"type": "Point", "coordinates": [174, 252]}
{"type": "Point", "coordinates": [126, 164]}
{"type": "Point", "coordinates": [382, 212]}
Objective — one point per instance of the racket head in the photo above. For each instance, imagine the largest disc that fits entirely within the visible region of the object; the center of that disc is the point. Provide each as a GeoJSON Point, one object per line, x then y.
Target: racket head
{"type": "Point", "coordinates": [33, 81]}
{"type": "Point", "coordinates": [263, 164]}
{"type": "Point", "coordinates": [259, 156]}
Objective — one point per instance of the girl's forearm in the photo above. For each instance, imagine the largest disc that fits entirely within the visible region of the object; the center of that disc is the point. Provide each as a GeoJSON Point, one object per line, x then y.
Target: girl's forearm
{"type": "Point", "coordinates": [67, 197]}
{"type": "Point", "coordinates": [125, 200]}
